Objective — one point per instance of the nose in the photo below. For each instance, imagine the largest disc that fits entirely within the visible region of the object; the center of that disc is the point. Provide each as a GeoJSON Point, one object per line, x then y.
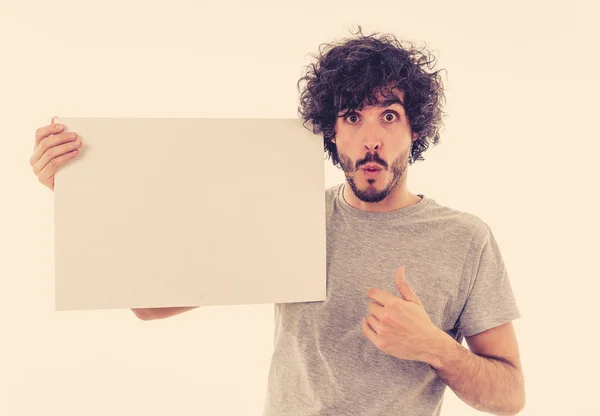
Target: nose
{"type": "Point", "coordinates": [372, 140]}
{"type": "Point", "coordinates": [372, 146]}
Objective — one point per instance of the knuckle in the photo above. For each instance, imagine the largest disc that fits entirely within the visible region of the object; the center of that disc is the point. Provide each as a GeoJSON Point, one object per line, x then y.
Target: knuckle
{"type": "Point", "coordinates": [52, 152]}
{"type": "Point", "coordinates": [53, 164]}
{"type": "Point", "coordinates": [44, 146]}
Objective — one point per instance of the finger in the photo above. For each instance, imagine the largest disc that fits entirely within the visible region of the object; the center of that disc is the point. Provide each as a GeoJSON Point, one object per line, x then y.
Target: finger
{"type": "Point", "coordinates": [368, 331]}
{"type": "Point", "coordinates": [53, 157]}
{"type": "Point", "coordinates": [375, 309]}
{"type": "Point", "coordinates": [43, 132]}
{"type": "Point", "coordinates": [46, 175]}
{"type": "Point", "coordinates": [373, 323]}
{"type": "Point", "coordinates": [49, 142]}
{"type": "Point", "coordinates": [404, 288]}
{"type": "Point", "coordinates": [381, 296]}
{"type": "Point", "coordinates": [50, 148]}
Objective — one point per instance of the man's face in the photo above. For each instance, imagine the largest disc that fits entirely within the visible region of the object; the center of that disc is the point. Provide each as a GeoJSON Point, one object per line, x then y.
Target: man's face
{"type": "Point", "coordinates": [378, 138]}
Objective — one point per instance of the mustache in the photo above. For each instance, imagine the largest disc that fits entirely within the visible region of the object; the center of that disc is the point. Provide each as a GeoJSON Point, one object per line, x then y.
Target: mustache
{"type": "Point", "coordinates": [372, 158]}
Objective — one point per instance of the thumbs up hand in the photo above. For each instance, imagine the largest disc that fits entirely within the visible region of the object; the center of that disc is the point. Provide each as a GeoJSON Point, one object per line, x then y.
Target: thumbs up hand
{"type": "Point", "coordinates": [400, 326]}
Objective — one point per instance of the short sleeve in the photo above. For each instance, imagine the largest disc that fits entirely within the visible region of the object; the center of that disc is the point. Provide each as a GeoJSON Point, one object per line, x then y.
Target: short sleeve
{"type": "Point", "coordinates": [491, 301]}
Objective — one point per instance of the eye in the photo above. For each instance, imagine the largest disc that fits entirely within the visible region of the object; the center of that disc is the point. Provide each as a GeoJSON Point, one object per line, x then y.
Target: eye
{"type": "Point", "coordinates": [353, 114]}
{"type": "Point", "coordinates": [390, 113]}
{"type": "Point", "coordinates": [350, 115]}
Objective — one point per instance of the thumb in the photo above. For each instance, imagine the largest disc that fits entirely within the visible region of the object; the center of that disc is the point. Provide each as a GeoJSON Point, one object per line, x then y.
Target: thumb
{"type": "Point", "coordinates": [404, 288]}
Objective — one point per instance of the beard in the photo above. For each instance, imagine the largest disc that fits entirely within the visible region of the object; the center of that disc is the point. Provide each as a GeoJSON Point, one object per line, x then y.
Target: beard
{"type": "Point", "coordinates": [371, 193]}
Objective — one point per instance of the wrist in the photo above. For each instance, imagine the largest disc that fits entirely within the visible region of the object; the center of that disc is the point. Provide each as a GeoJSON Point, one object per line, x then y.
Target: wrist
{"type": "Point", "coordinates": [442, 351]}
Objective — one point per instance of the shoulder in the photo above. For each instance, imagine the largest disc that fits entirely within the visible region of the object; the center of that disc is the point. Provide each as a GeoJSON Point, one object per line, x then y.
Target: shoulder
{"type": "Point", "coordinates": [331, 194]}
{"type": "Point", "coordinates": [481, 229]}
{"type": "Point", "coordinates": [332, 191]}
{"type": "Point", "coordinates": [460, 224]}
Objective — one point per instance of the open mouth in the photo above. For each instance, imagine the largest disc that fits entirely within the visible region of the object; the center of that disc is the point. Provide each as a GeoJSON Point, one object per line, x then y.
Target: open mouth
{"type": "Point", "coordinates": [373, 172]}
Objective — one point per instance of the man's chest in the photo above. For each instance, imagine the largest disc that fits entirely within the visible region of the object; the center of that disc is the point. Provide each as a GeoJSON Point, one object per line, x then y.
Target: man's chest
{"type": "Point", "coordinates": [356, 264]}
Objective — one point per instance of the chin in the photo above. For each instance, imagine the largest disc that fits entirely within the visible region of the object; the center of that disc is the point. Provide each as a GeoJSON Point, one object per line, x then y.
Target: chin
{"type": "Point", "coordinates": [372, 196]}
{"type": "Point", "coordinates": [373, 191]}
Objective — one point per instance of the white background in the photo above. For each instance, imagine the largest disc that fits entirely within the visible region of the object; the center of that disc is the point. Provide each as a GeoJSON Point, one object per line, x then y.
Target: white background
{"type": "Point", "coordinates": [519, 150]}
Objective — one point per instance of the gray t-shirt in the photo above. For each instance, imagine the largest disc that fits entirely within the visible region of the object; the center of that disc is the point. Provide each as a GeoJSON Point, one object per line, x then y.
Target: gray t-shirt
{"type": "Point", "coordinates": [322, 363]}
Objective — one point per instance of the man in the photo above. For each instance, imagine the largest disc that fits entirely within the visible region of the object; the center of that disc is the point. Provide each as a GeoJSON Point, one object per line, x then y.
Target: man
{"type": "Point", "coordinates": [407, 278]}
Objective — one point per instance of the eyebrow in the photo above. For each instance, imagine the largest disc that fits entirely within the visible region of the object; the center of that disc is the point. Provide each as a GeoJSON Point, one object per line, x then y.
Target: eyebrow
{"type": "Point", "coordinates": [388, 102]}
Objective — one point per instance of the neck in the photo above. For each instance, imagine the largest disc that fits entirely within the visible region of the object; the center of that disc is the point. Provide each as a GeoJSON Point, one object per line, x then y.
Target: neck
{"type": "Point", "coordinates": [398, 198]}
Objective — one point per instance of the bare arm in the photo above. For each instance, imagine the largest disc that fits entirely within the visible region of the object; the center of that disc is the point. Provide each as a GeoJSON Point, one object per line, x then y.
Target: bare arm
{"type": "Point", "coordinates": [148, 314]}
{"type": "Point", "coordinates": [489, 378]}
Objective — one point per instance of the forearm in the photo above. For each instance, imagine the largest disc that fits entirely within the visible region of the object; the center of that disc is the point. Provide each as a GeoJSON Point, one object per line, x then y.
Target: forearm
{"type": "Point", "coordinates": [488, 384]}
{"type": "Point", "coordinates": [148, 314]}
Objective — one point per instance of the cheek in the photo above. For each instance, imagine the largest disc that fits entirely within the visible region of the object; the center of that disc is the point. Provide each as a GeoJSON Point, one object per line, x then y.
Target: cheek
{"type": "Point", "coordinates": [347, 163]}
{"type": "Point", "coordinates": [345, 159]}
{"type": "Point", "coordinates": [348, 148]}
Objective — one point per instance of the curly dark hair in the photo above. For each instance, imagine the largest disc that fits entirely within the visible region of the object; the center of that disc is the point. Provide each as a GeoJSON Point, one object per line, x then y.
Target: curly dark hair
{"type": "Point", "coordinates": [350, 73]}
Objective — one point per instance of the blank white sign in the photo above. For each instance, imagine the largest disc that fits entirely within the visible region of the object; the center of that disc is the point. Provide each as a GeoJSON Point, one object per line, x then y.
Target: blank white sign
{"type": "Point", "coordinates": [190, 212]}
